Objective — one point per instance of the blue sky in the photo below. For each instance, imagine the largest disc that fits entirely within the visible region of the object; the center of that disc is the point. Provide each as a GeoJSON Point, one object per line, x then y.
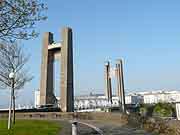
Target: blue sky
{"type": "Point", "coordinates": [146, 34]}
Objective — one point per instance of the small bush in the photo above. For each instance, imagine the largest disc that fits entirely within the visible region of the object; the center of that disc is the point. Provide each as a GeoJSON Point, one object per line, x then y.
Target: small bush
{"type": "Point", "coordinates": [146, 109]}
{"type": "Point", "coordinates": [163, 110]}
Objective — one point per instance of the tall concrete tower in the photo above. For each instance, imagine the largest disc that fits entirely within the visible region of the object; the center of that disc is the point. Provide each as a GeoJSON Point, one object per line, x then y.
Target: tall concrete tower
{"type": "Point", "coordinates": [67, 87]}
{"type": "Point", "coordinates": [120, 84]}
{"type": "Point", "coordinates": [62, 51]}
{"type": "Point", "coordinates": [108, 87]}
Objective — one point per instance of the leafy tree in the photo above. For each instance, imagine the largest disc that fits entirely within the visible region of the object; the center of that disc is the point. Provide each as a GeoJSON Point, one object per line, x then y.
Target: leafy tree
{"type": "Point", "coordinates": [13, 59]}
{"type": "Point", "coordinates": [19, 17]}
{"type": "Point", "coordinates": [163, 110]}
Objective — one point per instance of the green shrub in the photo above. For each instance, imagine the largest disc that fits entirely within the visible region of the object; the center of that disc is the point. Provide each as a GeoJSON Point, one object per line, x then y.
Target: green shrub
{"type": "Point", "coordinates": [163, 110]}
{"type": "Point", "coordinates": [146, 109]}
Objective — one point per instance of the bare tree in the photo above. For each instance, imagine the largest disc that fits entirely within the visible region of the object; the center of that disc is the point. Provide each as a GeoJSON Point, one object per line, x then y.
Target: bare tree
{"type": "Point", "coordinates": [13, 59]}
{"type": "Point", "coordinates": [19, 17]}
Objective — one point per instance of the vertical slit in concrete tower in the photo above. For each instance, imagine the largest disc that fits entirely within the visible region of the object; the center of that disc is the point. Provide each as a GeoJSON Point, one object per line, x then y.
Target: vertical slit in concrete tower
{"type": "Point", "coordinates": [108, 87]}
{"type": "Point", "coordinates": [57, 78]}
{"type": "Point", "coordinates": [64, 53]}
{"type": "Point", "coordinates": [120, 84]}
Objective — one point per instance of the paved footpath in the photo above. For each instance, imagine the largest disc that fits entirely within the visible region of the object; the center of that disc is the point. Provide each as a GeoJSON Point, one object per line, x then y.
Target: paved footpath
{"type": "Point", "coordinates": [107, 128]}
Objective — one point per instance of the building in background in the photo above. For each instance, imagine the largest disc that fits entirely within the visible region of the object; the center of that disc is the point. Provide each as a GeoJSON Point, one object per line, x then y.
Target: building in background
{"type": "Point", "coordinates": [94, 101]}
{"type": "Point", "coordinates": [161, 96]}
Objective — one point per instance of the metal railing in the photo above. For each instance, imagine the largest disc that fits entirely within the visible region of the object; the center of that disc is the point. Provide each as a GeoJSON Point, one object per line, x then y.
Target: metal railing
{"type": "Point", "coordinates": [75, 127]}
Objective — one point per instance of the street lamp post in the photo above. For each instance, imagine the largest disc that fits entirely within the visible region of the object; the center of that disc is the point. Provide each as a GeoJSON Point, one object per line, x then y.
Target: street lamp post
{"type": "Point", "coordinates": [11, 76]}
{"type": "Point", "coordinates": [13, 101]}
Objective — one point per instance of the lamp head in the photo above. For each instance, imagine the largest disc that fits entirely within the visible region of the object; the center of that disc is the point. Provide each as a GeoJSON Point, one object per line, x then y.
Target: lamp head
{"type": "Point", "coordinates": [11, 75]}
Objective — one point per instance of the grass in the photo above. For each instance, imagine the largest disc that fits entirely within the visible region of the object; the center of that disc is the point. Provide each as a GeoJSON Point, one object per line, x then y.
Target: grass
{"type": "Point", "coordinates": [31, 127]}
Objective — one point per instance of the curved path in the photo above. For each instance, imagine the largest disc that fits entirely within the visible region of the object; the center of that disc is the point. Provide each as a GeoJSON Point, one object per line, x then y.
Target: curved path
{"type": "Point", "coordinates": [96, 129]}
{"type": "Point", "coordinates": [107, 128]}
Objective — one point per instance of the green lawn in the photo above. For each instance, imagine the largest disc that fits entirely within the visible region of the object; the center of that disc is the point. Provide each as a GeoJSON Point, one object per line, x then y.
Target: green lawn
{"type": "Point", "coordinates": [31, 127]}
